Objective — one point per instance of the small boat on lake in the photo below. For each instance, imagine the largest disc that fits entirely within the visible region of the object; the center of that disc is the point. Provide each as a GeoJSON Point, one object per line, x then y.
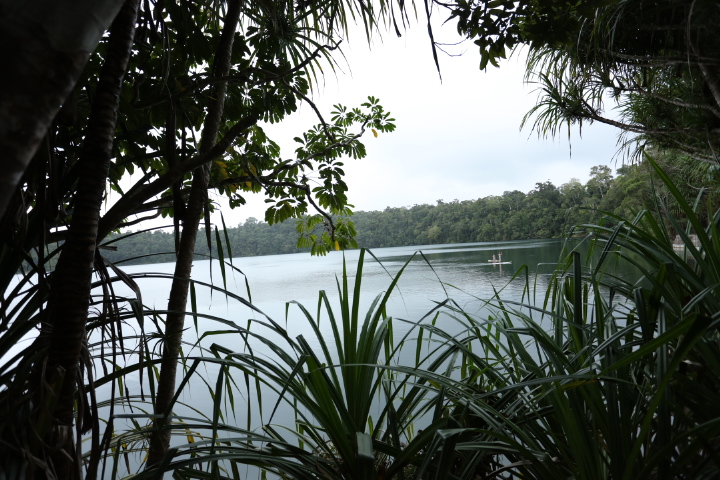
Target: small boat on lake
{"type": "Point", "coordinates": [497, 260]}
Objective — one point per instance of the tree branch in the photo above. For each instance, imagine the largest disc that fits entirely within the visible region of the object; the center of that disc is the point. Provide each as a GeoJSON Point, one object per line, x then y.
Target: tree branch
{"type": "Point", "coordinates": [639, 89]}
{"type": "Point", "coordinates": [657, 61]}
{"type": "Point", "coordinates": [308, 195]}
{"type": "Point", "coordinates": [287, 165]}
{"type": "Point", "coordinates": [139, 193]}
{"type": "Point", "coordinates": [243, 77]}
{"type": "Point", "coordinates": [314, 107]}
{"type": "Point", "coordinates": [138, 220]}
{"type": "Point", "coordinates": [593, 115]}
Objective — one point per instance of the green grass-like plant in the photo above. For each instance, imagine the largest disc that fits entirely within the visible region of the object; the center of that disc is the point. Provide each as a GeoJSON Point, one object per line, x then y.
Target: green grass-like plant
{"type": "Point", "coordinates": [614, 377]}
{"type": "Point", "coordinates": [605, 375]}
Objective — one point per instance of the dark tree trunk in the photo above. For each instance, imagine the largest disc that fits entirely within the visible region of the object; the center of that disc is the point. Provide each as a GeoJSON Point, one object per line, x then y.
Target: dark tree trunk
{"type": "Point", "coordinates": [70, 288]}
{"type": "Point", "coordinates": [177, 303]}
{"type": "Point", "coordinates": [44, 45]}
{"type": "Point", "coordinates": [712, 79]}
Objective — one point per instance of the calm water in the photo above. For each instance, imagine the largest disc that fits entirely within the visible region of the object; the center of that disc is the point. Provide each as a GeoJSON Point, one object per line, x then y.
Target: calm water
{"type": "Point", "coordinates": [458, 271]}
{"type": "Point", "coordinates": [434, 273]}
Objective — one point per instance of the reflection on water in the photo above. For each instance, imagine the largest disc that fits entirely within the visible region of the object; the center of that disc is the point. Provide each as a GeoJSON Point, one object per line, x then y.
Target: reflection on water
{"type": "Point", "coordinates": [460, 271]}
{"type": "Point", "coordinates": [434, 273]}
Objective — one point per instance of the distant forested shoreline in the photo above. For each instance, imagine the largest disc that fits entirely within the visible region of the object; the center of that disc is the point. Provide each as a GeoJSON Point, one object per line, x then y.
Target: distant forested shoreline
{"type": "Point", "coordinates": [547, 211]}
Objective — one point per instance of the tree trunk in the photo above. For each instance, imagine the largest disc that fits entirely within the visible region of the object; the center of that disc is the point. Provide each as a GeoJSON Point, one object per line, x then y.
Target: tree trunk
{"type": "Point", "coordinates": [44, 45]}
{"type": "Point", "coordinates": [177, 303]}
{"type": "Point", "coordinates": [712, 79]}
{"type": "Point", "coordinates": [70, 288]}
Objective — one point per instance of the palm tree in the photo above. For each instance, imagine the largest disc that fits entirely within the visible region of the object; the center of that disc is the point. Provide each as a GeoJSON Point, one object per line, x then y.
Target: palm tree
{"type": "Point", "coordinates": [294, 29]}
{"type": "Point", "coordinates": [63, 322]}
{"type": "Point", "coordinates": [658, 63]}
{"type": "Point", "coordinates": [45, 69]}
{"type": "Point", "coordinates": [158, 94]}
{"type": "Point", "coordinates": [175, 319]}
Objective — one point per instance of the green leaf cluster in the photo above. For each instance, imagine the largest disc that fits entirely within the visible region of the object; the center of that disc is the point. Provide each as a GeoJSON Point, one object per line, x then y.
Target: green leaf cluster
{"type": "Point", "coordinates": [594, 376]}
{"type": "Point", "coordinates": [545, 212]}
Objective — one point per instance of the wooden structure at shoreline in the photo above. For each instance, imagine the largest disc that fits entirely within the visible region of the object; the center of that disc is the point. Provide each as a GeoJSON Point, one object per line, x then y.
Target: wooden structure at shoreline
{"type": "Point", "coordinates": [678, 243]}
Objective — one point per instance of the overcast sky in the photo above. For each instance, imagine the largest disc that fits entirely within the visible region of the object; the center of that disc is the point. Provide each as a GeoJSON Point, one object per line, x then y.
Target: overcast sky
{"type": "Point", "coordinates": [455, 139]}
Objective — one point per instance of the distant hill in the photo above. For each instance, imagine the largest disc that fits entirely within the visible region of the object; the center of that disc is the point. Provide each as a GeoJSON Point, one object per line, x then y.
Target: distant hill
{"type": "Point", "coordinates": [546, 211]}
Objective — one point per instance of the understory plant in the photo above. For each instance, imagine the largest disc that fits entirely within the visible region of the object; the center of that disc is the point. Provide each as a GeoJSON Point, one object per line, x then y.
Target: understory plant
{"type": "Point", "coordinates": [358, 410]}
{"type": "Point", "coordinates": [614, 376]}
{"type": "Point", "coordinates": [610, 373]}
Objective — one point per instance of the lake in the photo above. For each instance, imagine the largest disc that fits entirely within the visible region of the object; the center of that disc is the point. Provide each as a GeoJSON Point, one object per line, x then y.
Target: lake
{"type": "Point", "coordinates": [436, 272]}
{"type": "Point", "coordinates": [458, 270]}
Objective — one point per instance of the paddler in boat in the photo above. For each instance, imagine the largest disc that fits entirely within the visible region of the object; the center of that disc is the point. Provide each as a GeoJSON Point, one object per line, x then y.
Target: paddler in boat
{"type": "Point", "coordinates": [500, 259]}
{"type": "Point", "coordinates": [494, 259]}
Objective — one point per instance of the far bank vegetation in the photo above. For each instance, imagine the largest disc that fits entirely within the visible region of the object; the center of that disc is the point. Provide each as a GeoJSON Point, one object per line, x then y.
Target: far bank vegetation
{"type": "Point", "coordinates": [547, 211]}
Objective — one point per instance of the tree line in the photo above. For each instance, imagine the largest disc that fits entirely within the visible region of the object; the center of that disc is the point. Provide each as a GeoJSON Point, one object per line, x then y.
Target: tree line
{"type": "Point", "coordinates": [547, 211]}
{"type": "Point", "coordinates": [175, 92]}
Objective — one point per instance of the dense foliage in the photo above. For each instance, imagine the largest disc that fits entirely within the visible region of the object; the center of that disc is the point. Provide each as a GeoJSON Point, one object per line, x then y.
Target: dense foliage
{"type": "Point", "coordinates": [545, 212]}
{"type": "Point", "coordinates": [600, 377]}
{"type": "Point", "coordinates": [167, 107]}
{"type": "Point", "coordinates": [655, 62]}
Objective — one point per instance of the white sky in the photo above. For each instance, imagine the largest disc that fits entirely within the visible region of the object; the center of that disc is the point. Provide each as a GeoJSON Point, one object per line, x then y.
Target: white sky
{"type": "Point", "coordinates": [455, 139]}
